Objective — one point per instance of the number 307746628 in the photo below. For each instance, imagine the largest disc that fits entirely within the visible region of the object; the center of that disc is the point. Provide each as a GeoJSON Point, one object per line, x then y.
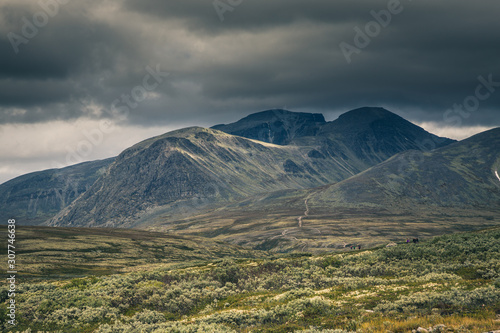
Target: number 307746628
{"type": "Point", "coordinates": [11, 245]}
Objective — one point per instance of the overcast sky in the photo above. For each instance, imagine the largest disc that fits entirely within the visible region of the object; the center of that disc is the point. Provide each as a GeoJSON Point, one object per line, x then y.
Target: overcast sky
{"type": "Point", "coordinates": [82, 80]}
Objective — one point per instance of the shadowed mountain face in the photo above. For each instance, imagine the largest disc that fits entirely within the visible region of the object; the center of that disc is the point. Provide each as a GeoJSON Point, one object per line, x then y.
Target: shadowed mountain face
{"type": "Point", "coordinates": [183, 172]}
{"type": "Point", "coordinates": [275, 126]}
{"type": "Point", "coordinates": [35, 197]}
{"type": "Point", "coordinates": [377, 133]}
{"type": "Point", "coordinates": [370, 135]}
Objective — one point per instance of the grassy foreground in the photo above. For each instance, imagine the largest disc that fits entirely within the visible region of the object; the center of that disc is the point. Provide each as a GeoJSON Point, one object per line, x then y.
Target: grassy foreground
{"type": "Point", "coordinates": [55, 253]}
{"type": "Point", "coordinates": [450, 283]}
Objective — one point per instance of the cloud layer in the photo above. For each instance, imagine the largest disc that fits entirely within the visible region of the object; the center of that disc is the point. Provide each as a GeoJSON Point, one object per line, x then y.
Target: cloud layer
{"type": "Point", "coordinates": [264, 54]}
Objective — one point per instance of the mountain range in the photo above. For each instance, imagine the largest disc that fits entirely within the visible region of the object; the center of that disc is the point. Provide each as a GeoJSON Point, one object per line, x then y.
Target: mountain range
{"type": "Point", "coordinates": [278, 180]}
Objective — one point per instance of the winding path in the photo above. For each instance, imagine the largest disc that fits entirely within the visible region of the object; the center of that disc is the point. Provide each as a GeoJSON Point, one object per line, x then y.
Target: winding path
{"type": "Point", "coordinates": [306, 213]}
{"type": "Point", "coordinates": [283, 233]}
{"type": "Point", "coordinates": [496, 173]}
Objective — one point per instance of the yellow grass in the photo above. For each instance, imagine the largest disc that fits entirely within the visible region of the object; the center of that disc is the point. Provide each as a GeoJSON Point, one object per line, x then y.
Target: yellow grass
{"type": "Point", "coordinates": [481, 323]}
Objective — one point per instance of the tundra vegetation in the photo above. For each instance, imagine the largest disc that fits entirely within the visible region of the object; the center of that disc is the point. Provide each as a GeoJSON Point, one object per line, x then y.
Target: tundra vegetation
{"type": "Point", "coordinates": [451, 280]}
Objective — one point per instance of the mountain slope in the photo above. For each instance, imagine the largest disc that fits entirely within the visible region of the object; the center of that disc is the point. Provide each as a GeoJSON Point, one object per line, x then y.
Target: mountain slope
{"type": "Point", "coordinates": [38, 196]}
{"type": "Point", "coordinates": [193, 167]}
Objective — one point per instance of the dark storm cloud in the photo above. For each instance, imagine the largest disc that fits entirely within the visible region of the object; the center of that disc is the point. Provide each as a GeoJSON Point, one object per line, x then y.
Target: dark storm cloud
{"type": "Point", "coordinates": [201, 15]}
{"type": "Point", "coordinates": [264, 54]}
{"type": "Point", "coordinates": [68, 44]}
{"type": "Point", "coordinates": [65, 62]}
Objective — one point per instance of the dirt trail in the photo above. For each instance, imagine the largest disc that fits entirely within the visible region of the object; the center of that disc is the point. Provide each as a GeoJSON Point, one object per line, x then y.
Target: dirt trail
{"type": "Point", "coordinates": [306, 214]}
{"type": "Point", "coordinates": [283, 233]}
{"type": "Point", "coordinates": [286, 233]}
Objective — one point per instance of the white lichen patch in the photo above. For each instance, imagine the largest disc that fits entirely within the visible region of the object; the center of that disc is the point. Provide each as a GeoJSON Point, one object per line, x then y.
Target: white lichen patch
{"type": "Point", "coordinates": [360, 294]}
{"type": "Point", "coordinates": [391, 288]}
{"type": "Point", "coordinates": [323, 291]}
{"type": "Point", "coordinates": [280, 296]}
{"type": "Point", "coordinates": [431, 285]}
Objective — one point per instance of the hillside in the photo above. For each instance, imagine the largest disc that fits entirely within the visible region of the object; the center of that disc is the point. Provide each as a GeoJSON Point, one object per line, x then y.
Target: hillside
{"type": "Point", "coordinates": [459, 175]}
{"type": "Point", "coordinates": [35, 197]}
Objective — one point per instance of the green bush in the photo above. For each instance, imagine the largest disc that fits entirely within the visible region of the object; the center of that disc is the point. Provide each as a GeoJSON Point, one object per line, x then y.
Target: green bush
{"type": "Point", "coordinates": [454, 273]}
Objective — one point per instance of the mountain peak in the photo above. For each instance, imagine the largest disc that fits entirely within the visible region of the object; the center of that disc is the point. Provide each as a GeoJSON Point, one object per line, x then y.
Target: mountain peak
{"type": "Point", "coordinates": [274, 114]}
{"type": "Point", "coordinates": [276, 126]}
{"type": "Point", "coordinates": [367, 114]}
{"type": "Point", "coordinates": [375, 132]}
